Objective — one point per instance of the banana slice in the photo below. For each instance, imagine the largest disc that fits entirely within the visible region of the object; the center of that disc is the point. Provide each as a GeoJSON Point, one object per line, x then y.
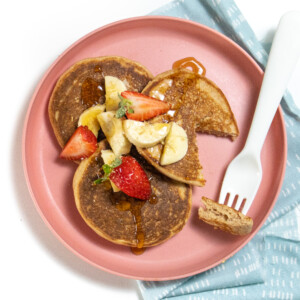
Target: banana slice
{"type": "Point", "coordinates": [108, 157]}
{"type": "Point", "coordinates": [113, 87]}
{"type": "Point", "coordinates": [89, 118]}
{"type": "Point", "coordinates": [155, 151]}
{"type": "Point", "coordinates": [176, 145]}
{"type": "Point", "coordinates": [145, 135]}
{"type": "Point", "coordinates": [113, 130]}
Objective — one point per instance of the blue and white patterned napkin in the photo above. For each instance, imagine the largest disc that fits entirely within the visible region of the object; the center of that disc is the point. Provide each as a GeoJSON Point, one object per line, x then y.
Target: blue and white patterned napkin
{"type": "Point", "coordinates": [268, 267]}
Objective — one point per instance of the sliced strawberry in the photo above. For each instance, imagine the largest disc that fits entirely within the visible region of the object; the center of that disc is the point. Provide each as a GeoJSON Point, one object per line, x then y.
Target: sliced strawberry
{"type": "Point", "coordinates": [82, 144]}
{"type": "Point", "coordinates": [131, 179]}
{"type": "Point", "coordinates": [143, 107]}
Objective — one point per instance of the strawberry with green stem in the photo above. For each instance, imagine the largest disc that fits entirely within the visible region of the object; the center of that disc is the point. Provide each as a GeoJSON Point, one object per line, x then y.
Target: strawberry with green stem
{"type": "Point", "coordinates": [128, 175]}
{"type": "Point", "coordinates": [139, 107]}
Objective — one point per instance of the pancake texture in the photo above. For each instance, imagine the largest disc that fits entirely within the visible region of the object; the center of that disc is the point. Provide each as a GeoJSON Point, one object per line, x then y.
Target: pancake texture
{"type": "Point", "coordinates": [224, 217]}
{"type": "Point", "coordinates": [199, 105]}
{"type": "Point", "coordinates": [124, 220]}
{"type": "Point", "coordinates": [82, 86]}
{"type": "Point", "coordinates": [207, 103]}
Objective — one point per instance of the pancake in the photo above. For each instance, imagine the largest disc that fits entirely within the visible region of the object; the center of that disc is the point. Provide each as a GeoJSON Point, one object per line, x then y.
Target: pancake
{"type": "Point", "coordinates": [124, 220]}
{"type": "Point", "coordinates": [82, 86]}
{"type": "Point", "coordinates": [210, 108]}
{"type": "Point", "coordinates": [225, 218]}
{"type": "Point", "coordinates": [199, 106]}
{"type": "Point", "coordinates": [188, 169]}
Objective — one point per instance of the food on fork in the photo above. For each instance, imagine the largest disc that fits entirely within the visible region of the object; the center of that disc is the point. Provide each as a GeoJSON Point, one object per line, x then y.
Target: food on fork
{"type": "Point", "coordinates": [224, 217]}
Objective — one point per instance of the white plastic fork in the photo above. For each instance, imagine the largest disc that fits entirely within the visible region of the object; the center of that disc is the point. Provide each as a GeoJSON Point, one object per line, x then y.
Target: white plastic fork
{"type": "Point", "coordinates": [244, 174]}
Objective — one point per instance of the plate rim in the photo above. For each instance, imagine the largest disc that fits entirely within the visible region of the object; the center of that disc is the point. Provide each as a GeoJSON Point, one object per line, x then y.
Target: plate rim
{"type": "Point", "coordinates": [32, 101]}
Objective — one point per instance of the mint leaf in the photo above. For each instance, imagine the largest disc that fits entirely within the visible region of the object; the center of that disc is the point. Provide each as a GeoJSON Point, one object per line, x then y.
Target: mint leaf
{"type": "Point", "coordinates": [100, 180]}
{"type": "Point", "coordinates": [124, 107]}
{"type": "Point", "coordinates": [130, 110]}
{"type": "Point", "coordinates": [107, 169]}
{"type": "Point", "coordinates": [121, 112]}
{"type": "Point", "coordinates": [116, 162]}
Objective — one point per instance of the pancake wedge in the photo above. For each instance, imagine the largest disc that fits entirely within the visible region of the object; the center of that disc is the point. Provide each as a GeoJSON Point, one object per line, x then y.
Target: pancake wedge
{"type": "Point", "coordinates": [211, 111]}
{"type": "Point", "coordinates": [83, 86]}
{"type": "Point", "coordinates": [198, 105]}
{"type": "Point", "coordinates": [124, 220]}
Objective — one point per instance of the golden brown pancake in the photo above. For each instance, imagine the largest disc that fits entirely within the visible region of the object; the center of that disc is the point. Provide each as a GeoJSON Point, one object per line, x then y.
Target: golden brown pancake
{"type": "Point", "coordinates": [199, 106]}
{"type": "Point", "coordinates": [188, 169]}
{"type": "Point", "coordinates": [224, 217]}
{"type": "Point", "coordinates": [125, 220]}
{"type": "Point", "coordinates": [82, 86]}
{"type": "Point", "coordinates": [207, 103]}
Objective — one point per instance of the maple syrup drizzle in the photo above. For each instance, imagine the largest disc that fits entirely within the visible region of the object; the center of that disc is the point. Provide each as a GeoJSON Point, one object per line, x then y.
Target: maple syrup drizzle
{"type": "Point", "coordinates": [190, 63]}
{"type": "Point", "coordinates": [97, 69]}
{"type": "Point", "coordinates": [137, 251]}
{"type": "Point", "coordinates": [153, 199]}
{"type": "Point", "coordinates": [135, 207]}
{"type": "Point", "coordinates": [159, 92]}
{"type": "Point", "coordinates": [92, 90]}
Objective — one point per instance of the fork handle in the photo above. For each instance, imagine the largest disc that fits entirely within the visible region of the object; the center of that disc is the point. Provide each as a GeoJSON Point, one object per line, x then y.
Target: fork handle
{"type": "Point", "coordinates": [282, 61]}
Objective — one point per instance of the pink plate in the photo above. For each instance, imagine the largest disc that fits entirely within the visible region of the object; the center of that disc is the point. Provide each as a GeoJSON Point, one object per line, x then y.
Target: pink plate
{"type": "Point", "coordinates": [155, 42]}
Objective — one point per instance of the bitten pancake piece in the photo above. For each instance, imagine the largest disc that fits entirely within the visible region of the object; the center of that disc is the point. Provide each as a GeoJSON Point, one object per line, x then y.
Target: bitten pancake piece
{"type": "Point", "coordinates": [82, 86]}
{"type": "Point", "coordinates": [125, 220]}
{"type": "Point", "coordinates": [224, 217]}
{"type": "Point", "coordinates": [199, 105]}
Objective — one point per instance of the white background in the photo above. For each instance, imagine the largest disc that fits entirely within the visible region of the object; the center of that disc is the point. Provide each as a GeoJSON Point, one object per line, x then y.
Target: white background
{"type": "Point", "coordinates": [34, 264]}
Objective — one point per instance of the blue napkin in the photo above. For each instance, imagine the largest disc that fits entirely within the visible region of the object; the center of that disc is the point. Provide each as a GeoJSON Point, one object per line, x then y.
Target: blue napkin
{"type": "Point", "coordinates": [268, 267]}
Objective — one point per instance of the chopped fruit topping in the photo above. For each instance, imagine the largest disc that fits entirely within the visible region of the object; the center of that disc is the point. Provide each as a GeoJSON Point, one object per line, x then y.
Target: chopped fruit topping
{"type": "Point", "coordinates": [109, 157]}
{"type": "Point", "coordinates": [107, 169]}
{"type": "Point", "coordinates": [124, 107]}
{"type": "Point", "coordinates": [140, 107]}
{"type": "Point", "coordinates": [89, 118]}
{"type": "Point", "coordinates": [176, 145]}
{"type": "Point", "coordinates": [113, 130]}
{"type": "Point", "coordinates": [143, 134]}
{"type": "Point", "coordinates": [113, 87]}
{"type": "Point", "coordinates": [82, 144]}
{"type": "Point", "coordinates": [128, 176]}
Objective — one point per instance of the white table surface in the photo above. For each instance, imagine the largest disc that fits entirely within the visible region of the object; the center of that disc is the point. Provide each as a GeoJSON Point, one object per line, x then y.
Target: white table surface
{"type": "Point", "coordinates": [34, 264]}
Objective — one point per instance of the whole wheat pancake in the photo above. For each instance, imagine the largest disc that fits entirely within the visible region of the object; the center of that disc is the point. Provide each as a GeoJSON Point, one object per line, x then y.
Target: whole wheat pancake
{"type": "Point", "coordinates": [125, 220]}
{"type": "Point", "coordinates": [199, 105]}
{"type": "Point", "coordinates": [82, 86]}
{"type": "Point", "coordinates": [224, 217]}
{"type": "Point", "coordinates": [207, 103]}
